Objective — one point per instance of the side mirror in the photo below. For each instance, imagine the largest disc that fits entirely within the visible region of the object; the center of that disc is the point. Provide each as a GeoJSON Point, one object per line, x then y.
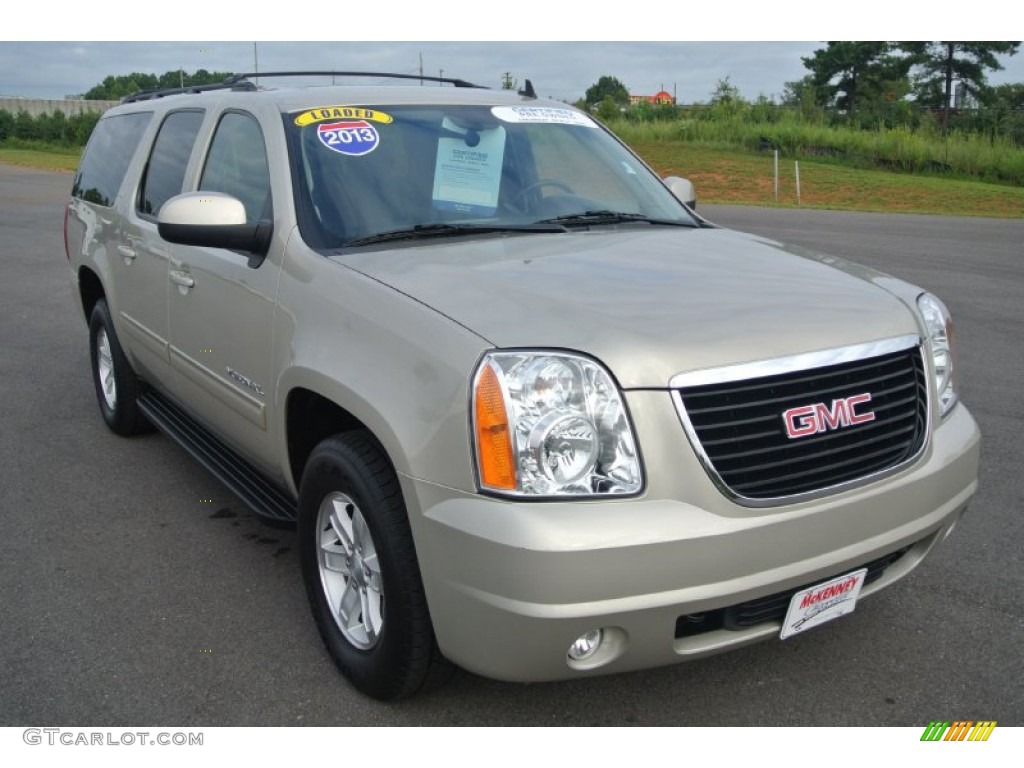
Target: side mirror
{"type": "Point", "coordinates": [213, 220]}
{"type": "Point", "coordinates": [682, 189]}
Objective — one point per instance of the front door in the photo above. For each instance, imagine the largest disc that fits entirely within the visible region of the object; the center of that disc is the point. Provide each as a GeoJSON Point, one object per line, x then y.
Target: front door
{"type": "Point", "coordinates": [221, 309]}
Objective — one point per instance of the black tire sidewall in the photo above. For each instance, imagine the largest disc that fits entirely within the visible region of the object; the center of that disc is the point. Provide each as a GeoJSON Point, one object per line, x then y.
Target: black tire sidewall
{"type": "Point", "coordinates": [397, 665]}
{"type": "Point", "coordinates": [123, 418]}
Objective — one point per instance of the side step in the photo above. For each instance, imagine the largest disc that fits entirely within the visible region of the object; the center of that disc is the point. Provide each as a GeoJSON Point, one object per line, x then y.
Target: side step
{"type": "Point", "coordinates": [261, 496]}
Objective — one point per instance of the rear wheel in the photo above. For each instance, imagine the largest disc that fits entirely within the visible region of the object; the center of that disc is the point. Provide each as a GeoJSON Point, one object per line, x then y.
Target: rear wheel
{"type": "Point", "coordinates": [117, 387]}
{"type": "Point", "coordinates": [360, 569]}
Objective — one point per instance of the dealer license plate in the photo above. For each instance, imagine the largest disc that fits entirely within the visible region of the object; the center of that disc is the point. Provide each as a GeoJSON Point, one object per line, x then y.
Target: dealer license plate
{"type": "Point", "coordinates": [823, 602]}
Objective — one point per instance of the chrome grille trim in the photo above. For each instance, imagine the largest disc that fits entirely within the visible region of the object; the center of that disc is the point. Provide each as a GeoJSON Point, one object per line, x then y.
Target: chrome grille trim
{"type": "Point", "coordinates": [795, 364]}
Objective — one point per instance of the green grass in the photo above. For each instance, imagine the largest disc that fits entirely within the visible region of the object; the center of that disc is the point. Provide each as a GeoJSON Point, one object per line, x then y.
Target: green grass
{"type": "Point", "coordinates": [38, 156]}
{"type": "Point", "coordinates": [743, 177]}
{"type": "Point", "coordinates": [921, 151]}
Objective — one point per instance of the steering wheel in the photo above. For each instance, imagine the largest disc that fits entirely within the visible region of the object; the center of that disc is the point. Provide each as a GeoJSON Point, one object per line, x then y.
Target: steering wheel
{"type": "Point", "coordinates": [520, 196]}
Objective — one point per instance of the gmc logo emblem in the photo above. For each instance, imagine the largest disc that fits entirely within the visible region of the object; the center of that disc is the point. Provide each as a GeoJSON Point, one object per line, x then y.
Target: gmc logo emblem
{"type": "Point", "coordinates": [811, 419]}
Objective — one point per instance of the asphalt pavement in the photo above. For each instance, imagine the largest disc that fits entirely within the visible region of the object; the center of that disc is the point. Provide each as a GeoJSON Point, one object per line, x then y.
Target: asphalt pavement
{"type": "Point", "coordinates": [134, 589]}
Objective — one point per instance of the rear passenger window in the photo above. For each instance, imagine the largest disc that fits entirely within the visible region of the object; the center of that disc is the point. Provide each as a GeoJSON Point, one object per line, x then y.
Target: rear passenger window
{"type": "Point", "coordinates": [110, 150]}
{"type": "Point", "coordinates": [165, 172]}
{"type": "Point", "coordinates": [237, 165]}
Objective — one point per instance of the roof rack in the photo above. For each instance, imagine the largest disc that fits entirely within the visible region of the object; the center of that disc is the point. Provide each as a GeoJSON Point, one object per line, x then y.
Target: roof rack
{"type": "Point", "coordinates": [458, 83]}
{"type": "Point", "coordinates": [241, 82]}
{"type": "Point", "coordinates": [157, 93]}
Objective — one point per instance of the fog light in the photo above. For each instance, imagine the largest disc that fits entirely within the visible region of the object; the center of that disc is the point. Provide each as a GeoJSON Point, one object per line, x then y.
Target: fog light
{"type": "Point", "coordinates": [586, 645]}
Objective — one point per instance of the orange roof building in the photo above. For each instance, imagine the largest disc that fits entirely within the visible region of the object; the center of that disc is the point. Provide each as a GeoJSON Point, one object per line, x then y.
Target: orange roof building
{"type": "Point", "coordinates": [661, 97]}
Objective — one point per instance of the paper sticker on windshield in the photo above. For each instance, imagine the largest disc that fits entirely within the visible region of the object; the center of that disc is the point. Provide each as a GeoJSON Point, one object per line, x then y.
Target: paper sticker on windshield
{"type": "Point", "coordinates": [542, 115]}
{"type": "Point", "coordinates": [349, 137]}
{"type": "Point", "coordinates": [320, 114]}
{"type": "Point", "coordinates": [467, 173]}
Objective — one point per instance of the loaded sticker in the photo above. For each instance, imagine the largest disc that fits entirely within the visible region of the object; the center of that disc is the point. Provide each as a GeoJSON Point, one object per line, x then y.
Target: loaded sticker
{"type": "Point", "coordinates": [542, 115]}
{"type": "Point", "coordinates": [320, 114]}
{"type": "Point", "coordinates": [349, 137]}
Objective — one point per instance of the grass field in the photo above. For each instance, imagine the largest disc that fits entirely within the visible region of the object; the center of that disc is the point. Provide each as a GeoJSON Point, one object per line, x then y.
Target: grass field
{"type": "Point", "coordinates": [50, 159]}
{"type": "Point", "coordinates": [724, 176]}
{"type": "Point", "coordinates": [741, 177]}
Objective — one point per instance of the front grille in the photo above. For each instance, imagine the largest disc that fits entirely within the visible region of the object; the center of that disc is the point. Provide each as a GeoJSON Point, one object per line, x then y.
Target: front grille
{"type": "Point", "coordinates": [769, 608]}
{"type": "Point", "coordinates": [739, 425]}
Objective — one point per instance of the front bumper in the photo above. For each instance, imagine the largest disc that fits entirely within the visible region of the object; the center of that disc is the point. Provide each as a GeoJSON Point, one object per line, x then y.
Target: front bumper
{"type": "Point", "coordinates": [512, 584]}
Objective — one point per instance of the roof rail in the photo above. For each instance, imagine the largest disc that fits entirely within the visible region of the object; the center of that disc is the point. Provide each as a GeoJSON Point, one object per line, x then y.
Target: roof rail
{"type": "Point", "coordinates": [233, 82]}
{"type": "Point", "coordinates": [241, 82]}
{"type": "Point", "coordinates": [450, 80]}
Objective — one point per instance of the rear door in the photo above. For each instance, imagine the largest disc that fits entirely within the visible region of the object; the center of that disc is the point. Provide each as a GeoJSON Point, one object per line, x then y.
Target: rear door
{"type": "Point", "coordinates": [142, 256]}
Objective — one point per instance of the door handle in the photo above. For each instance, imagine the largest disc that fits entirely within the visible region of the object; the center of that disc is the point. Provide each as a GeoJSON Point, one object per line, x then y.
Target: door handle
{"type": "Point", "coordinates": [183, 279]}
{"type": "Point", "coordinates": [127, 253]}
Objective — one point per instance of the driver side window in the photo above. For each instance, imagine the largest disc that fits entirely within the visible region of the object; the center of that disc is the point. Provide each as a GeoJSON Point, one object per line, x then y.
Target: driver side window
{"type": "Point", "coordinates": [237, 165]}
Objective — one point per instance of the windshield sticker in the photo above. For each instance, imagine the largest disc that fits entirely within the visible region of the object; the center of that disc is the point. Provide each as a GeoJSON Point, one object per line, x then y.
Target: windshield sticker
{"type": "Point", "coordinates": [542, 115]}
{"type": "Point", "coordinates": [467, 174]}
{"type": "Point", "coordinates": [349, 137]}
{"type": "Point", "coordinates": [320, 114]}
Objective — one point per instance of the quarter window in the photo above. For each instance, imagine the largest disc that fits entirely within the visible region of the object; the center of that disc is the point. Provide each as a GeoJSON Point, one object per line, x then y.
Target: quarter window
{"type": "Point", "coordinates": [237, 165]}
{"type": "Point", "coordinates": [165, 172]}
{"type": "Point", "coordinates": [111, 148]}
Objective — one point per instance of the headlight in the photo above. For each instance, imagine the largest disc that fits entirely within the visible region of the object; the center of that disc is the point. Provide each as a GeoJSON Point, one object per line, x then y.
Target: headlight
{"type": "Point", "coordinates": [551, 424]}
{"type": "Point", "coordinates": [940, 340]}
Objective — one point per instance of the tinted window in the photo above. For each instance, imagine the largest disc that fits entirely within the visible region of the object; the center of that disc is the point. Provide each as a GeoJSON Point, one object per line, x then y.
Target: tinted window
{"type": "Point", "coordinates": [165, 171]}
{"type": "Point", "coordinates": [237, 165]}
{"type": "Point", "coordinates": [110, 150]}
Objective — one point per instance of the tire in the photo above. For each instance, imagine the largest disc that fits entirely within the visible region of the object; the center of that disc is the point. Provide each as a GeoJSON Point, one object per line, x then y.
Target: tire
{"type": "Point", "coordinates": [117, 386]}
{"type": "Point", "coordinates": [356, 550]}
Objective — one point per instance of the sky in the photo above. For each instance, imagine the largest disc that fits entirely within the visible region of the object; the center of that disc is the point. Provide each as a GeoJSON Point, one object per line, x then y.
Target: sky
{"type": "Point", "coordinates": [529, 39]}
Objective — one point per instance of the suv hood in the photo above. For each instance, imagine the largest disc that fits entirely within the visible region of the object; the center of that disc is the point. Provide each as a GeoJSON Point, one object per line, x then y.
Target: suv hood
{"type": "Point", "coordinates": [648, 303]}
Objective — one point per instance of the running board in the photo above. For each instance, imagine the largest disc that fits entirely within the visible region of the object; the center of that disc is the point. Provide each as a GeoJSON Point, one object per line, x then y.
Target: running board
{"type": "Point", "coordinates": [261, 496]}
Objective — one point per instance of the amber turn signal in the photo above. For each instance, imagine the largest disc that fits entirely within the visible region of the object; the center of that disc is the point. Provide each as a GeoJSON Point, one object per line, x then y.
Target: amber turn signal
{"type": "Point", "coordinates": [493, 439]}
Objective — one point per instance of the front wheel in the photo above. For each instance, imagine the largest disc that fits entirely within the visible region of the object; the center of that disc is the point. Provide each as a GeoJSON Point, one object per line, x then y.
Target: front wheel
{"type": "Point", "coordinates": [360, 569]}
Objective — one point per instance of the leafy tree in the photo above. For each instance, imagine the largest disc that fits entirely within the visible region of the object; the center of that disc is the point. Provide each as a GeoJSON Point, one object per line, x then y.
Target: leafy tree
{"type": "Point", "coordinates": [607, 87]}
{"type": "Point", "coordinates": [118, 86]}
{"type": "Point", "coordinates": [6, 124]}
{"type": "Point", "coordinates": [608, 109]}
{"type": "Point", "coordinates": [1002, 112]}
{"type": "Point", "coordinates": [851, 74]}
{"type": "Point", "coordinates": [24, 125]}
{"type": "Point", "coordinates": [725, 92]}
{"type": "Point", "coordinates": [803, 93]}
{"type": "Point", "coordinates": [940, 63]}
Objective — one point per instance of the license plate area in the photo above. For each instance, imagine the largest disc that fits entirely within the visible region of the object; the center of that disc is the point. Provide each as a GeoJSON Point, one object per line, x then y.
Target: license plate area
{"type": "Point", "coordinates": [822, 603]}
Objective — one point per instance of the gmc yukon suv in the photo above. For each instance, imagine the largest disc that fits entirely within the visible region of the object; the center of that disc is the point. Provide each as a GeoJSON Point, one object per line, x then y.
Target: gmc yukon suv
{"type": "Point", "coordinates": [532, 415]}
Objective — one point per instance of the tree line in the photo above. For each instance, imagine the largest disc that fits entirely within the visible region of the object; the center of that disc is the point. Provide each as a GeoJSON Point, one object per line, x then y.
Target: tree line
{"type": "Point", "coordinates": [865, 85]}
{"type": "Point", "coordinates": [56, 128]}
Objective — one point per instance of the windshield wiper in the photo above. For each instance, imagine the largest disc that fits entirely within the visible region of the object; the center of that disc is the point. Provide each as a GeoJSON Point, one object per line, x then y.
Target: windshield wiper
{"type": "Point", "coordinates": [424, 231]}
{"type": "Point", "coordinates": [588, 218]}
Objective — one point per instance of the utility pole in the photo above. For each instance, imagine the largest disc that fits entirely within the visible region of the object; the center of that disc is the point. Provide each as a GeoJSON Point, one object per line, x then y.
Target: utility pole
{"type": "Point", "coordinates": [255, 61]}
{"type": "Point", "coordinates": [441, 75]}
{"type": "Point", "coordinates": [421, 67]}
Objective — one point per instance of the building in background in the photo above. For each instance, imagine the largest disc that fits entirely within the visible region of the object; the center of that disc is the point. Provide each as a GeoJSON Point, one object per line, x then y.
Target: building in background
{"type": "Point", "coordinates": [661, 97]}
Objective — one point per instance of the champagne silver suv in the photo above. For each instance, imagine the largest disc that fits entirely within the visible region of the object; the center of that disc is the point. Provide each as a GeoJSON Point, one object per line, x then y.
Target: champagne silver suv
{"type": "Point", "coordinates": [533, 415]}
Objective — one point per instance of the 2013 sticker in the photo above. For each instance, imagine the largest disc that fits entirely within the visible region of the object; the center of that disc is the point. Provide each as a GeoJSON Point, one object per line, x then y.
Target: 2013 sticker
{"type": "Point", "coordinates": [349, 137]}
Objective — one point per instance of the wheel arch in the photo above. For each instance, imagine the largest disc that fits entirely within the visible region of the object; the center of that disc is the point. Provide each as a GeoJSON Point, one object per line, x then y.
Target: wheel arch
{"type": "Point", "coordinates": [90, 290]}
{"type": "Point", "coordinates": [311, 417]}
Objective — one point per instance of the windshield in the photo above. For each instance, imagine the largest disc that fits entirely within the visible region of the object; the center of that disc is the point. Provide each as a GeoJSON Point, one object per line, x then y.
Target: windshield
{"type": "Point", "coordinates": [371, 174]}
